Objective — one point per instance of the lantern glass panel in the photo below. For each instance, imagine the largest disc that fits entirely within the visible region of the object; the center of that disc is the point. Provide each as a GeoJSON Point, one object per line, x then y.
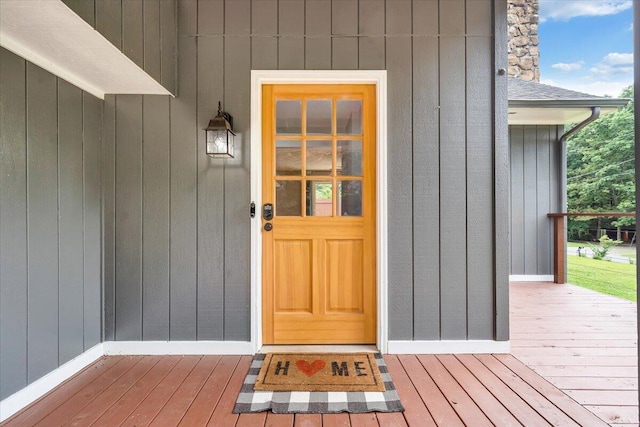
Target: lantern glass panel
{"type": "Point", "coordinates": [219, 143]}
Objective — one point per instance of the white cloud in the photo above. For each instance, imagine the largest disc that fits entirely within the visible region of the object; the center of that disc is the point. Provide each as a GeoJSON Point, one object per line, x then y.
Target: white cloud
{"type": "Point", "coordinates": [573, 66]}
{"type": "Point", "coordinates": [564, 10]}
{"type": "Point", "coordinates": [614, 63]}
{"type": "Point", "coordinates": [598, 88]}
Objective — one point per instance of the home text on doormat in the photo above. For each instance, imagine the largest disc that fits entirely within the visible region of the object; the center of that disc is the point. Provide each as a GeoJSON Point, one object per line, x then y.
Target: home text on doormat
{"type": "Point", "coordinates": [319, 372]}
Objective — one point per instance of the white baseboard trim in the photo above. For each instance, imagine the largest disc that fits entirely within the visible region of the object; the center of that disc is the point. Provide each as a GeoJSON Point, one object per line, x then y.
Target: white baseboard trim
{"type": "Point", "coordinates": [448, 347]}
{"type": "Point", "coordinates": [133, 348]}
{"type": "Point", "coordinates": [531, 278]}
{"type": "Point", "coordinates": [40, 387]}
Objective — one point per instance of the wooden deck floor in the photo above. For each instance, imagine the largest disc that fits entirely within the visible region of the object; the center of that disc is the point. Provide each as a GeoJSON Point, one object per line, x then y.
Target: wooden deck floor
{"type": "Point", "coordinates": [583, 342]}
{"type": "Point", "coordinates": [444, 390]}
{"type": "Point", "coordinates": [596, 368]}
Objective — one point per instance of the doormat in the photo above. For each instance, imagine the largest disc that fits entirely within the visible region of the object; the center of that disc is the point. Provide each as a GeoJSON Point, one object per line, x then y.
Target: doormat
{"type": "Point", "coordinates": [319, 372]}
{"type": "Point", "coordinates": [315, 401]}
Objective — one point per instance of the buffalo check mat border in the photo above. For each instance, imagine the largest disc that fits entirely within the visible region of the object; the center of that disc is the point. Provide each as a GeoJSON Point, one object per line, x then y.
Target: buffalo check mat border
{"type": "Point", "coordinates": [316, 402]}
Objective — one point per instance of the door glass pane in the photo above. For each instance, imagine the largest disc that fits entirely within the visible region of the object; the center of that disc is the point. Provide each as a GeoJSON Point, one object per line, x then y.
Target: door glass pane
{"type": "Point", "coordinates": [349, 198]}
{"type": "Point", "coordinates": [319, 117]}
{"type": "Point", "coordinates": [349, 116]}
{"type": "Point", "coordinates": [288, 201]}
{"type": "Point", "coordinates": [288, 117]}
{"type": "Point", "coordinates": [319, 198]}
{"type": "Point", "coordinates": [319, 159]}
{"type": "Point", "coordinates": [349, 158]}
{"type": "Point", "coordinates": [288, 158]}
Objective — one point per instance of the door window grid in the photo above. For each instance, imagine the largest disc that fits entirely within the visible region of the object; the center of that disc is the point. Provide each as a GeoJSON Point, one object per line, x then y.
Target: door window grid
{"type": "Point", "coordinates": [327, 183]}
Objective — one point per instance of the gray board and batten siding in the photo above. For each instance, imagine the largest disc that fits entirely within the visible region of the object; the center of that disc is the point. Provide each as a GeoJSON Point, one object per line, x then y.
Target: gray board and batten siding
{"type": "Point", "coordinates": [175, 224]}
{"type": "Point", "coordinates": [536, 158]}
{"type": "Point", "coordinates": [50, 222]}
{"type": "Point", "coordinates": [177, 241]}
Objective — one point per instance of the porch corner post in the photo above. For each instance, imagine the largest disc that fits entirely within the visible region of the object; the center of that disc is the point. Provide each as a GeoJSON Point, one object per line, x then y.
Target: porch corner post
{"type": "Point", "coordinates": [559, 260]}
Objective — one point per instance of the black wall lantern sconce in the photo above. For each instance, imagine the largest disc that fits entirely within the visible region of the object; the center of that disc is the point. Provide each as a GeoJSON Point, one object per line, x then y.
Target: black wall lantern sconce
{"type": "Point", "coordinates": [220, 135]}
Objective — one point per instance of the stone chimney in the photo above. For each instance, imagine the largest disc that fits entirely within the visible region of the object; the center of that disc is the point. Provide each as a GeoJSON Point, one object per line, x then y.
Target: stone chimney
{"type": "Point", "coordinates": [524, 55]}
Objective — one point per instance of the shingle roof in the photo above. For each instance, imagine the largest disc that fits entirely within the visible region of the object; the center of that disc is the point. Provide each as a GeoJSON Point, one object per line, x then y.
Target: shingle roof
{"type": "Point", "coordinates": [520, 90]}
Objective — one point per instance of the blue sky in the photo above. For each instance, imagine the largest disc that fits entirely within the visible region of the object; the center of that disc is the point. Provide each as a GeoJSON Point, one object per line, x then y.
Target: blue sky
{"type": "Point", "coordinates": [587, 45]}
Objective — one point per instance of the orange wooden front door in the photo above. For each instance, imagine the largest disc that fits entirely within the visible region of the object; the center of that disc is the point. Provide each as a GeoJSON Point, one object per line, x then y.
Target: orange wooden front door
{"type": "Point", "coordinates": [319, 173]}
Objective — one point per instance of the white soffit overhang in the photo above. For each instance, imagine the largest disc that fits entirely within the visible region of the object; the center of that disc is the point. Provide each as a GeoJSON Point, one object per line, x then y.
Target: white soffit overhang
{"type": "Point", "coordinates": [552, 115]}
{"type": "Point", "coordinates": [50, 35]}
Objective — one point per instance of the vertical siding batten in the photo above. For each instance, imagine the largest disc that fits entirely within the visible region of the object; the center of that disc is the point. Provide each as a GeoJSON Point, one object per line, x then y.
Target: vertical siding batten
{"type": "Point", "coordinates": [13, 225]}
{"type": "Point", "coordinates": [210, 198]}
{"type": "Point", "coordinates": [399, 65]}
{"type": "Point", "coordinates": [133, 31]}
{"type": "Point", "coordinates": [109, 216]}
{"type": "Point", "coordinates": [291, 42]}
{"type": "Point", "coordinates": [426, 184]}
{"type": "Point", "coordinates": [237, 66]}
{"type": "Point", "coordinates": [92, 166]}
{"type": "Point", "coordinates": [530, 171]}
{"type": "Point", "coordinates": [543, 237]}
{"type": "Point", "coordinates": [183, 182]}
{"type": "Point", "coordinates": [70, 222]}
{"type": "Point", "coordinates": [169, 45]}
{"type": "Point", "coordinates": [453, 200]}
{"type": "Point", "coordinates": [128, 218]}
{"type": "Point", "coordinates": [480, 274]}
{"type": "Point", "coordinates": [516, 144]}
{"type": "Point", "coordinates": [501, 172]}
{"type": "Point", "coordinates": [155, 218]}
{"type": "Point", "coordinates": [152, 41]}
{"type": "Point", "coordinates": [318, 42]}
{"type": "Point", "coordinates": [109, 21]}
{"type": "Point", "coordinates": [42, 222]}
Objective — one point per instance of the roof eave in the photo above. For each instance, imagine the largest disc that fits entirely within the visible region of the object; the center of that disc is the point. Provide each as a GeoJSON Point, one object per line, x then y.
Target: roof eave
{"type": "Point", "coordinates": [569, 103]}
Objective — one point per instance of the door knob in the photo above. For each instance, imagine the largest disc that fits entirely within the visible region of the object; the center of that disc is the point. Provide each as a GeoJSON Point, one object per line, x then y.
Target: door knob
{"type": "Point", "coordinates": [268, 226]}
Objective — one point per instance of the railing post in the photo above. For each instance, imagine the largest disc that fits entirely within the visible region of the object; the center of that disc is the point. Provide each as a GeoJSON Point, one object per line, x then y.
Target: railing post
{"type": "Point", "coordinates": [559, 244]}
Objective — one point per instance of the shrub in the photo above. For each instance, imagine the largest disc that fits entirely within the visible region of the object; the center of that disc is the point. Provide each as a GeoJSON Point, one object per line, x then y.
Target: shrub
{"type": "Point", "coordinates": [600, 251]}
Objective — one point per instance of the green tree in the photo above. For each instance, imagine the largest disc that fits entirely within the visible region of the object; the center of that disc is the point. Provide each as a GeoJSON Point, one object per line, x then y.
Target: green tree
{"type": "Point", "coordinates": [600, 167]}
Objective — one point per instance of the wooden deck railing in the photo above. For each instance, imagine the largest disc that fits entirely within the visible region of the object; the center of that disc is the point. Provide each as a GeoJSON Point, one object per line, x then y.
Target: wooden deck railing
{"type": "Point", "coordinates": [559, 242]}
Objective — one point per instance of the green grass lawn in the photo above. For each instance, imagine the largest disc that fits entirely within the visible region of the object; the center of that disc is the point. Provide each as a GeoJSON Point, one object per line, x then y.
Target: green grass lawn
{"type": "Point", "coordinates": [603, 276]}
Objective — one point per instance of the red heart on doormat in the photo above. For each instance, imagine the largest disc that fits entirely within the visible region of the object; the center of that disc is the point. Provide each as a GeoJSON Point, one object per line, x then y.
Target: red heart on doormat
{"type": "Point", "coordinates": [310, 369]}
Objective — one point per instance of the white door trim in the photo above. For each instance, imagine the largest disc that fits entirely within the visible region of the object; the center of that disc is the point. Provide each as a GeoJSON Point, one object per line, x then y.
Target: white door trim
{"type": "Point", "coordinates": [377, 77]}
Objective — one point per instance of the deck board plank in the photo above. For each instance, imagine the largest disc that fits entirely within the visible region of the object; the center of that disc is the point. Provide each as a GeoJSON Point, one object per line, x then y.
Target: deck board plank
{"type": "Point", "coordinates": [81, 399]}
{"type": "Point", "coordinates": [537, 401]}
{"type": "Point", "coordinates": [439, 407]}
{"type": "Point", "coordinates": [415, 410]}
{"type": "Point", "coordinates": [364, 420]}
{"type": "Point", "coordinates": [179, 403]}
{"type": "Point", "coordinates": [223, 416]}
{"type": "Point", "coordinates": [203, 406]}
{"type": "Point", "coordinates": [119, 412]}
{"type": "Point", "coordinates": [307, 420]}
{"type": "Point", "coordinates": [336, 420]}
{"type": "Point", "coordinates": [147, 411]}
{"type": "Point", "coordinates": [58, 396]}
{"type": "Point", "coordinates": [489, 405]}
{"type": "Point", "coordinates": [514, 403]}
{"type": "Point", "coordinates": [557, 397]}
{"type": "Point", "coordinates": [458, 398]}
{"type": "Point", "coordinates": [256, 419]}
{"type": "Point", "coordinates": [114, 392]}
{"type": "Point", "coordinates": [279, 420]}
{"type": "Point", "coordinates": [391, 419]}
